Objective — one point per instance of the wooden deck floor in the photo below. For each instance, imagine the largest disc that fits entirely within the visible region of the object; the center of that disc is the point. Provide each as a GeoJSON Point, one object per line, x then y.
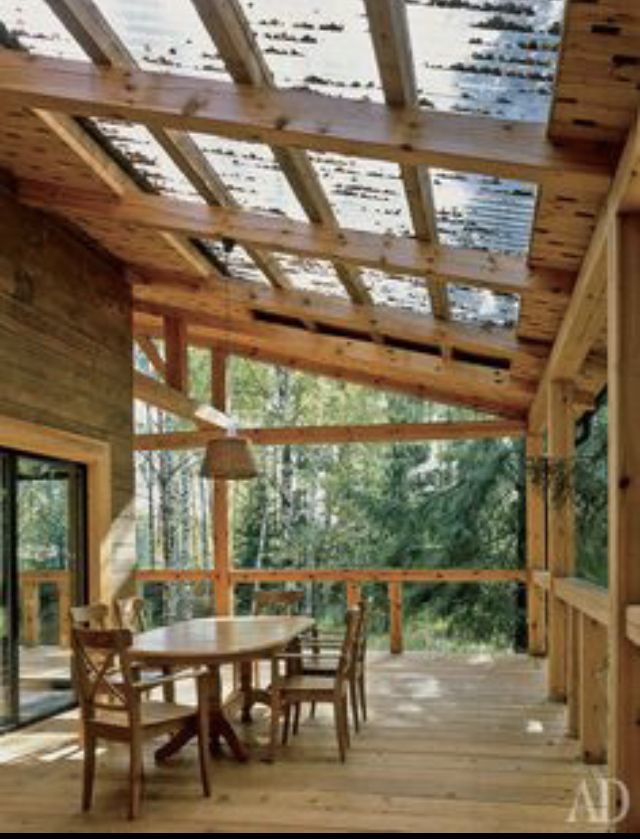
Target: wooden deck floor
{"type": "Point", "coordinates": [464, 743]}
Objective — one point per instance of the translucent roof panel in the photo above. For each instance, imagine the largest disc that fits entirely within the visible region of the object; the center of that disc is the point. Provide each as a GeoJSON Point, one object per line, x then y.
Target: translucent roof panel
{"type": "Point", "coordinates": [477, 211]}
{"type": "Point", "coordinates": [365, 194]}
{"type": "Point", "coordinates": [147, 156]}
{"type": "Point", "coordinates": [164, 35]}
{"type": "Point", "coordinates": [37, 29]}
{"type": "Point", "coordinates": [402, 292]}
{"type": "Point", "coordinates": [312, 275]}
{"type": "Point", "coordinates": [483, 307]}
{"type": "Point", "coordinates": [323, 45]}
{"type": "Point", "coordinates": [238, 262]}
{"type": "Point", "coordinates": [494, 57]}
{"type": "Point", "coordinates": [252, 175]}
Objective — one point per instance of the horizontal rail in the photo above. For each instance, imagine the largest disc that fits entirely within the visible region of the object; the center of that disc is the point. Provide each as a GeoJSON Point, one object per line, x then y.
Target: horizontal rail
{"type": "Point", "coordinates": [633, 624]}
{"type": "Point", "coordinates": [542, 579]}
{"type": "Point", "coordinates": [588, 598]}
{"type": "Point", "coordinates": [383, 575]}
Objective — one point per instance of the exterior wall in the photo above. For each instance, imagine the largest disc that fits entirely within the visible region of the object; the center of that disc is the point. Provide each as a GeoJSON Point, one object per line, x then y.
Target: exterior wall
{"type": "Point", "coordinates": [65, 350]}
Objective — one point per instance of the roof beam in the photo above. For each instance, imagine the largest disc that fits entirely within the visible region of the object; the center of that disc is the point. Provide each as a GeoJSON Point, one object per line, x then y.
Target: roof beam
{"type": "Point", "coordinates": [393, 254]}
{"type": "Point", "coordinates": [300, 119]}
{"type": "Point", "coordinates": [175, 402]}
{"type": "Point", "coordinates": [586, 314]}
{"type": "Point", "coordinates": [91, 30]}
{"type": "Point", "coordinates": [419, 373]}
{"type": "Point", "coordinates": [245, 301]}
{"type": "Point", "coordinates": [392, 46]}
{"type": "Point", "coordinates": [315, 435]}
{"type": "Point", "coordinates": [229, 28]}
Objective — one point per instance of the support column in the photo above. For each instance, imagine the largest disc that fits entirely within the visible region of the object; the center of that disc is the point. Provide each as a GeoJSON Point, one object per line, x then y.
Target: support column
{"type": "Point", "coordinates": [536, 548]}
{"type": "Point", "coordinates": [395, 618]}
{"type": "Point", "coordinates": [175, 348]}
{"type": "Point", "coordinates": [220, 514]}
{"type": "Point", "coordinates": [593, 690]}
{"type": "Point", "coordinates": [560, 520]}
{"type": "Point", "coordinates": [623, 266]}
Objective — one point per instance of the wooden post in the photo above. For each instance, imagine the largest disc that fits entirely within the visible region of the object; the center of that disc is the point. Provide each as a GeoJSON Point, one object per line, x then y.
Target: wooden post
{"type": "Point", "coordinates": [353, 594]}
{"type": "Point", "coordinates": [223, 587]}
{"type": "Point", "coordinates": [175, 348]}
{"type": "Point", "coordinates": [560, 518]}
{"type": "Point", "coordinates": [573, 671]}
{"type": "Point", "coordinates": [64, 604]}
{"type": "Point", "coordinates": [536, 548]}
{"type": "Point", "coordinates": [30, 612]}
{"type": "Point", "coordinates": [623, 269]}
{"type": "Point", "coordinates": [593, 691]}
{"type": "Point", "coordinates": [395, 618]}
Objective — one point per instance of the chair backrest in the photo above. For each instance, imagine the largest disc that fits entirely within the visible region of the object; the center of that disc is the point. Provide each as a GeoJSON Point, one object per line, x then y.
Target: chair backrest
{"type": "Point", "coordinates": [277, 602]}
{"type": "Point", "coordinates": [92, 616]}
{"type": "Point", "coordinates": [353, 623]}
{"type": "Point", "coordinates": [101, 670]}
{"type": "Point", "coordinates": [130, 613]}
{"type": "Point", "coordinates": [361, 642]}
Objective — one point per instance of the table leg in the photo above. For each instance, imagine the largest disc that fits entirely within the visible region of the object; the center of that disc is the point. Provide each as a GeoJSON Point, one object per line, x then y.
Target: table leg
{"type": "Point", "coordinates": [246, 688]}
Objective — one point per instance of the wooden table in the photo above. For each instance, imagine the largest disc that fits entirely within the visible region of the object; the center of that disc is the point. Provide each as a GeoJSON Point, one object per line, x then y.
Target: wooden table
{"type": "Point", "coordinates": [212, 642]}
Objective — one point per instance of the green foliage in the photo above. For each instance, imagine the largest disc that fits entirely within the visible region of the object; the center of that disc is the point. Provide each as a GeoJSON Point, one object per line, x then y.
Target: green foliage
{"type": "Point", "coordinates": [591, 501]}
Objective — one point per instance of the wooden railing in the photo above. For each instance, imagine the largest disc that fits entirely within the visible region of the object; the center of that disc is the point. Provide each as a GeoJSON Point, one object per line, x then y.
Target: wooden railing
{"type": "Point", "coordinates": [30, 583]}
{"type": "Point", "coordinates": [352, 578]}
{"type": "Point", "coordinates": [586, 637]}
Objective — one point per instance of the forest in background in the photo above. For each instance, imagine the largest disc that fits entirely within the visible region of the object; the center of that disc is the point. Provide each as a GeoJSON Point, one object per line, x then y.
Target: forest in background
{"type": "Point", "coordinates": [439, 504]}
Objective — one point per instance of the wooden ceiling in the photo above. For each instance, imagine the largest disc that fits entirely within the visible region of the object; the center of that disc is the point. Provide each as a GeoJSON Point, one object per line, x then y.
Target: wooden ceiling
{"type": "Point", "coordinates": [61, 167]}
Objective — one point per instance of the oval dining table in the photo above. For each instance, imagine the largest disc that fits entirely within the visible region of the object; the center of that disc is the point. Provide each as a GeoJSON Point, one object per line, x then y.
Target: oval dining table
{"type": "Point", "coordinates": [211, 643]}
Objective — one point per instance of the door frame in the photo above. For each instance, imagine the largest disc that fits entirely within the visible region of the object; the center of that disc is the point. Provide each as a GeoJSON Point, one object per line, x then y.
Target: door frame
{"type": "Point", "coordinates": [95, 455]}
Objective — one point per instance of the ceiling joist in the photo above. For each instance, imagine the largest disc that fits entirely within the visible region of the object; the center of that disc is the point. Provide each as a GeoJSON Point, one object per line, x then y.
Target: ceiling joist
{"type": "Point", "coordinates": [300, 119]}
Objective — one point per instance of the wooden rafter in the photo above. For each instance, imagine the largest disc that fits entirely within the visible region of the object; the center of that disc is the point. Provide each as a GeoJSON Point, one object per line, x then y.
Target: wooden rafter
{"type": "Point", "coordinates": [148, 347]}
{"type": "Point", "coordinates": [88, 26]}
{"type": "Point", "coordinates": [226, 23]}
{"type": "Point", "coordinates": [300, 119]}
{"type": "Point", "coordinates": [392, 45]}
{"type": "Point", "coordinates": [250, 301]}
{"type": "Point", "coordinates": [338, 434]}
{"type": "Point", "coordinates": [396, 254]}
{"type": "Point", "coordinates": [176, 402]}
{"type": "Point", "coordinates": [586, 314]}
{"type": "Point", "coordinates": [421, 373]}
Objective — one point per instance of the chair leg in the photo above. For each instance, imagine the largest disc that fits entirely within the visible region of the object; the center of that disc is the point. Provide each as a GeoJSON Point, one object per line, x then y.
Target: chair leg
{"type": "Point", "coordinates": [89, 770]}
{"type": "Point", "coordinates": [312, 710]}
{"type": "Point", "coordinates": [168, 690]}
{"type": "Point", "coordinates": [296, 717]}
{"type": "Point", "coordinates": [287, 724]}
{"type": "Point", "coordinates": [203, 741]}
{"type": "Point", "coordinates": [362, 691]}
{"type": "Point", "coordinates": [338, 710]}
{"type": "Point", "coordinates": [345, 720]}
{"type": "Point", "coordinates": [353, 696]}
{"type": "Point", "coordinates": [135, 776]}
{"type": "Point", "coordinates": [275, 723]}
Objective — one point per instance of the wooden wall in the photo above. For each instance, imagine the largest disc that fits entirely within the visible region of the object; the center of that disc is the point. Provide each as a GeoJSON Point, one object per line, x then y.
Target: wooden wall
{"type": "Point", "coordinates": [65, 349]}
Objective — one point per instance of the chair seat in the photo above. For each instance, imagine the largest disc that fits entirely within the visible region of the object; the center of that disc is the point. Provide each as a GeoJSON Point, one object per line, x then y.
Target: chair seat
{"type": "Point", "coordinates": [309, 684]}
{"type": "Point", "coordinates": [152, 714]}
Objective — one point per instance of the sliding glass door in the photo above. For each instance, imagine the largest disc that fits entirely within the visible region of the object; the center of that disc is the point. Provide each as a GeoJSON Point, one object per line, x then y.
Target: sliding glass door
{"type": "Point", "coordinates": [43, 566]}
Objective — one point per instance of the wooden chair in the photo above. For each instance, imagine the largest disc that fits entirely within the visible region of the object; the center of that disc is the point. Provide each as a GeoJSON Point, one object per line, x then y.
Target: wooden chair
{"type": "Point", "coordinates": [291, 689]}
{"type": "Point", "coordinates": [91, 616]}
{"type": "Point", "coordinates": [130, 613]}
{"type": "Point", "coordinates": [321, 658]}
{"type": "Point", "coordinates": [111, 708]}
{"type": "Point", "coordinates": [276, 602]}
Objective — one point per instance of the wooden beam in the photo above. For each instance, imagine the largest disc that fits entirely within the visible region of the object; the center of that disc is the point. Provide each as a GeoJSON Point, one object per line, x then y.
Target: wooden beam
{"type": "Point", "coordinates": [175, 343]}
{"type": "Point", "coordinates": [536, 548]}
{"type": "Point", "coordinates": [382, 575]}
{"type": "Point", "coordinates": [593, 690]}
{"type": "Point", "coordinates": [229, 28]}
{"type": "Point", "coordinates": [91, 30]}
{"type": "Point", "coordinates": [300, 119]}
{"type": "Point", "coordinates": [250, 301]}
{"type": "Point", "coordinates": [148, 347]}
{"type": "Point", "coordinates": [586, 597]}
{"type": "Point", "coordinates": [585, 317]}
{"type": "Point", "coordinates": [394, 254]}
{"type": "Point", "coordinates": [389, 29]}
{"type": "Point", "coordinates": [316, 435]}
{"type": "Point", "coordinates": [560, 518]}
{"type": "Point", "coordinates": [175, 402]}
{"type": "Point", "coordinates": [624, 504]}
{"type": "Point", "coordinates": [395, 618]}
{"type": "Point", "coordinates": [220, 503]}
{"type": "Point", "coordinates": [429, 375]}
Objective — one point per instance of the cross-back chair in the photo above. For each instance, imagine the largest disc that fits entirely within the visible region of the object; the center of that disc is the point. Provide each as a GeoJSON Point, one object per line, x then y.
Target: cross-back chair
{"type": "Point", "coordinates": [111, 707]}
{"type": "Point", "coordinates": [90, 616]}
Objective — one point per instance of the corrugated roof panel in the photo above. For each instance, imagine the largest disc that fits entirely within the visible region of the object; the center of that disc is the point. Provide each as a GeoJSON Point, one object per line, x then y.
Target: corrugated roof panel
{"type": "Point", "coordinates": [37, 28]}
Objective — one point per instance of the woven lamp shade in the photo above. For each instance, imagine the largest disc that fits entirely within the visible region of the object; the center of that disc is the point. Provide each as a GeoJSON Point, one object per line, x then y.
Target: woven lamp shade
{"type": "Point", "coordinates": [229, 459]}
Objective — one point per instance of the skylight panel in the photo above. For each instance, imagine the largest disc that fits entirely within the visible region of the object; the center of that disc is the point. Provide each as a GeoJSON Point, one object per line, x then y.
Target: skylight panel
{"type": "Point", "coordinates": [322, 45]}
{"type": "Point", "coordinates": [252, 175]}
{"type": "Point", "coordinates": [494, 57]}
{"type": "Point", "coordinates": [164, 35]}
{"type": "Point", "coordinates": [365, 194]}
{"type": "Point", "coordinates": [37, 29]}
{"type": "Point", "coordinates": [478, 211]}
{"type": "Point", "coordinates": [483, 307]}
{"type": "Point", "coordinates": [400, 292]}
{"type": "Point", "coordinates": [312, 275]}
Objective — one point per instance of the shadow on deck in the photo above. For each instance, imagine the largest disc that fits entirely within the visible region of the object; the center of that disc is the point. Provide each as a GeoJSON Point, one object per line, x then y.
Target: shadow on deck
{"type": "Point", "coordinates": [453, 744]}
